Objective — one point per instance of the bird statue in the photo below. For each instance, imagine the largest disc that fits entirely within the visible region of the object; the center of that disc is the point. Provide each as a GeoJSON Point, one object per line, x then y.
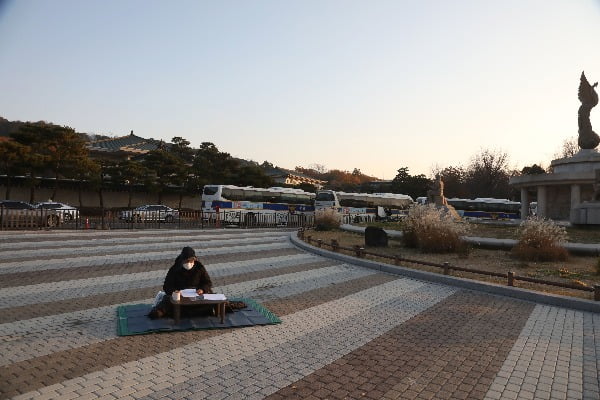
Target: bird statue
{"type": "Point", "coordinates": [588, 139]}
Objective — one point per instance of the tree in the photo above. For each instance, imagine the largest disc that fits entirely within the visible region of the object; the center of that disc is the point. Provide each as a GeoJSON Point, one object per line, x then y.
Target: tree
{"type": "Point", "coordinates": [54, 149]}
{"type": "Point", "coordinates": [12, 155]}
{"type": "Point", "coordinates": [307, 187]}
{"type": "Point", "coordinates": [102, 179]}
{"type": "Point", "coordinates": [344, 180]}
{"type": "Point", "coordinates": [181, 148]}
{"type": "Point", "coordinates": [66, 150]}
{"type": "Point", "coordinates": [180, 142]}
{"type": "Point", "coordinates": [252, 175]}
{"type": "Point", "coordinates": [88, 175]}
{"type": "Point", "coordinates": [129, 173]}
{"type": "Point", "coordinates": [454, 181]}
{"type": "Point", "coordinates": [487, 175]}
{"type": "Point", "coordinates": [319, 168]}
{"type": "Point", "coordinates": [533, 170]}
{"type": "Point", "coordinates": [165, 169]}
{"type": "Point", "coordinates": [570, 147]}
{"type": "Point", "coordinates": [312, 173]}
{"type": "Point", "coordinates": [7, 128]}
{"type": "Point", "coordinates": [414, 186]}
{"type": "Point", "coordinates": [267, 165]}
{"type": "Point", "coordinates": [31, 135]}
{"type": "Point", "coordinates": [213, 167]}
{"type": "Point", "coordinates": [340, 180]}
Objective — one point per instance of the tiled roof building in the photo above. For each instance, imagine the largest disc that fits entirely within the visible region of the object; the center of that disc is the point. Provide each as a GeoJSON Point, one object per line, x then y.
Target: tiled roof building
{"type": "Point", "coordinates": [123, 147]}
{"type": "Point", "coordinates": [285, 176]}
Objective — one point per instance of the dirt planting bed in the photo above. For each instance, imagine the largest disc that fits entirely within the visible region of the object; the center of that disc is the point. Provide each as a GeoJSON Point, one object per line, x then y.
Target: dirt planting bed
{"type": "Point", "coordinates": [576, 269]}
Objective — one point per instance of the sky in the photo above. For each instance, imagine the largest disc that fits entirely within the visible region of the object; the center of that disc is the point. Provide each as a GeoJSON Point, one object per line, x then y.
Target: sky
{"type": "Point", "coordinates": [375, 85]}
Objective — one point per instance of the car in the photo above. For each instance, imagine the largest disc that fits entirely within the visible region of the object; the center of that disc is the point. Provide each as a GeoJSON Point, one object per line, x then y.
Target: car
{"type": "Point", "coordinates": [22, 214]}
{"type": "Point", "coordinates": [150, 213]}
{"type": "Point", "coordinates": [68, 212]}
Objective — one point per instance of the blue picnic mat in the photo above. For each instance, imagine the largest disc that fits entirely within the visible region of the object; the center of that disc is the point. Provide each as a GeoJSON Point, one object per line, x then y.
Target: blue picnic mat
{"type": "Point", "coordinates": [133, 319]}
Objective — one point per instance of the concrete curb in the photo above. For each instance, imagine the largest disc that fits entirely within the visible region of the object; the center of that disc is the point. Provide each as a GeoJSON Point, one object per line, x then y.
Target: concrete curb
{"type": "Point", "coordinates": [491, 288]}
{"type": "Point", "coordinates": [584, 249]}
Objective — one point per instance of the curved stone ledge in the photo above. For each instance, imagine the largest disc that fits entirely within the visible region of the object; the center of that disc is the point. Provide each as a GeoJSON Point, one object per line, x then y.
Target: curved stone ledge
{"type": "Point", "coordinates": [469, 284]}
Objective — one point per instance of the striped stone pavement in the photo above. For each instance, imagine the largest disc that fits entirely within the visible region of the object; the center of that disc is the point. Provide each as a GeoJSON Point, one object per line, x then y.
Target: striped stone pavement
{"type": "Point", "coordinates": [347, 331]}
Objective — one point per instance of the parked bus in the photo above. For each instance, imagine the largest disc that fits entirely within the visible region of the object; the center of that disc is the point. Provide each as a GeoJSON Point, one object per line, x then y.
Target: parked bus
{"type": "Point", "coordinates": [486, 208]}
{"type": "Point", "coordinates": [248, 205]}
{"type": "Point", "coordinates": [356, 207]}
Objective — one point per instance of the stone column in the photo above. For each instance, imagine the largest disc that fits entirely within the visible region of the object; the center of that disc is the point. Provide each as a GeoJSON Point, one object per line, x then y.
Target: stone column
{"type": "Point", "coordinates": [575, 195]}
{"type": "Point", "coordinates": [575, 201]}
{"type": "Point", "coordinates": [541, 201]}
{"type": "Point", "coordinates": [524, 203]}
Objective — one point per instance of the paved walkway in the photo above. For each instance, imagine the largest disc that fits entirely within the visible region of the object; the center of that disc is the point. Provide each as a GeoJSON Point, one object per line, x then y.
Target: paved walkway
{"type": "Point", "coordinates": [347, 331]}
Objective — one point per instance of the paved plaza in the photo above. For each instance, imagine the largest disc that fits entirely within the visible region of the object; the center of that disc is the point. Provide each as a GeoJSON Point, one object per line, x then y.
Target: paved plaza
{"type": "Point", "coordinates": [347, 331]}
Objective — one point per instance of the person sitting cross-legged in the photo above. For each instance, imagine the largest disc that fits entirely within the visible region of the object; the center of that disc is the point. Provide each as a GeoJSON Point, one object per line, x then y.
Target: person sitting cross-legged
{"type": "Point", "coordinates": [185, 273]}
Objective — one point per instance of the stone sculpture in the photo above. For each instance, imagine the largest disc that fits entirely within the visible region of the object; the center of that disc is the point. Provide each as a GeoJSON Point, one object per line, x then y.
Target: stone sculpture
{"type": "Point", "coordinates": [435, 194]}
{"type": "Point", "coordinates": [588, 139]}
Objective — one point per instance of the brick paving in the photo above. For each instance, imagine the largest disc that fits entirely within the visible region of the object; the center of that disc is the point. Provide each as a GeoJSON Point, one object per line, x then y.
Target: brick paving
{"type": "Point", "coordinates": [63, 274]}
{"type": "Point", "coordinates": [117, 247]}
{"type": "Point", "coordinates": [452, 350]}
{"type": "Point", "coordinates": [347, 332]}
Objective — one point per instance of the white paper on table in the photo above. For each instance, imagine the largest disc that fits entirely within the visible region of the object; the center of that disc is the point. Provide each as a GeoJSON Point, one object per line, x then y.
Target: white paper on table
{"type": "Point", "coordinates": [189, 293]}
{"type": "Point", "coordinates": [214, 296]}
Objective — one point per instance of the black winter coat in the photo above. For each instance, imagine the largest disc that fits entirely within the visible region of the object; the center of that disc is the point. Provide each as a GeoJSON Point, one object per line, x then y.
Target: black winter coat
{"type": "Point", "coordinates": [178, 278]}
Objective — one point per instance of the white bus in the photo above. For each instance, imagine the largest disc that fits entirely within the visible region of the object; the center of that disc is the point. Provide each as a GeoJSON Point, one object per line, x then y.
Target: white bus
{"type": "Point", "coordinates": [257, 206]}
{"type": "Point", "coordinates": [486, 208]}
{"type": "Point", "coordinates": [356, 207]}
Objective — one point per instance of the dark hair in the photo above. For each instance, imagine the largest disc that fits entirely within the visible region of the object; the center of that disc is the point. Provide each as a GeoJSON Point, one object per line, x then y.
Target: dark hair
{"type": "Point", "coordinates": [187, 253]}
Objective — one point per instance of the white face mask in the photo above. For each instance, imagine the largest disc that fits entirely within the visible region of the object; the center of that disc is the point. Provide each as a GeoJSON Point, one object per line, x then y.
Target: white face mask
{"type": "Point", "coordinates": [188, 266]}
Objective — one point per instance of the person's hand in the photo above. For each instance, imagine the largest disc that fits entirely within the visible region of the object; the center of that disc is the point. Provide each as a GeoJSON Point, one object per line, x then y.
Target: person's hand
{"type": "Point", "coordinates": [200, 291]}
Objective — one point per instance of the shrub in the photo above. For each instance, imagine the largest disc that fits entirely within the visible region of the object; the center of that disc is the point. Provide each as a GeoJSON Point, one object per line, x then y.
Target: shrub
{"type": "Point", "coordinates": [327, 219]}
{"type": "Point", "coordinates": [432, 229]}
{"type": "Point", "coordinates": [540, 240]}
{"type": "Point", "coordinates": [598, 266]}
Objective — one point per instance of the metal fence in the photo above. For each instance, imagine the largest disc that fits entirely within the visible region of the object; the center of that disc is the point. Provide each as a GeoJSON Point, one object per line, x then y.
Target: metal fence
{"type": "Point", "coordinates": [28, 218]}
{"type": "Point", "coordinates": [357, 219]}
{"type": "Point", "coordinates": [158, 220]}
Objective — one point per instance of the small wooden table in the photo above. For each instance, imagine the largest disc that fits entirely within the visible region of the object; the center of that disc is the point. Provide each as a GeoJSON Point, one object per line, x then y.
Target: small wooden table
{"type": "Point", "coordinates": [196, 301]}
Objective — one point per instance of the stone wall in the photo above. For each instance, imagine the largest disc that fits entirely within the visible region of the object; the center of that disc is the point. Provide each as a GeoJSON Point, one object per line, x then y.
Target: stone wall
{"type": "Point", "coordinates": [112, 199]}
{"type": "Point", "coordinates": [558, 202]}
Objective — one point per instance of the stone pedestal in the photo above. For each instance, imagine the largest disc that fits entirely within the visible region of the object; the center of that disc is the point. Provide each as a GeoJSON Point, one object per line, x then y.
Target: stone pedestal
{"type": "Point", "coordinates": [585, 160]}
{"type": "Point", "coordinates": [586, 213]}
{"type": "Point", "coordinates": [561, 192]}
{"type": "Point", "coordinates": [452, 211]}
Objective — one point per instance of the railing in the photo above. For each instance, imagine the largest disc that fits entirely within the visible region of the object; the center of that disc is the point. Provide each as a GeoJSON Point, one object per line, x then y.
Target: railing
{"type": "Point", "coordinates": [152, 220]}
{"type": "Point", "coordinates": [259, 219]}
{"type": "Point", "coordinates": [349, 219]}
{"type": "Point", "coordinates": [446, 267]}
{"type": "Point", "coordinates": [28, 218]}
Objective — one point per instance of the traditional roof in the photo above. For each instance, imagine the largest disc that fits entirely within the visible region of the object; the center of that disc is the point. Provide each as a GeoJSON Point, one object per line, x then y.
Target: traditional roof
{"type": "Point", "coordinates": [127, 144]}
{"type": "Point", "coordinates": [292, 177]}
